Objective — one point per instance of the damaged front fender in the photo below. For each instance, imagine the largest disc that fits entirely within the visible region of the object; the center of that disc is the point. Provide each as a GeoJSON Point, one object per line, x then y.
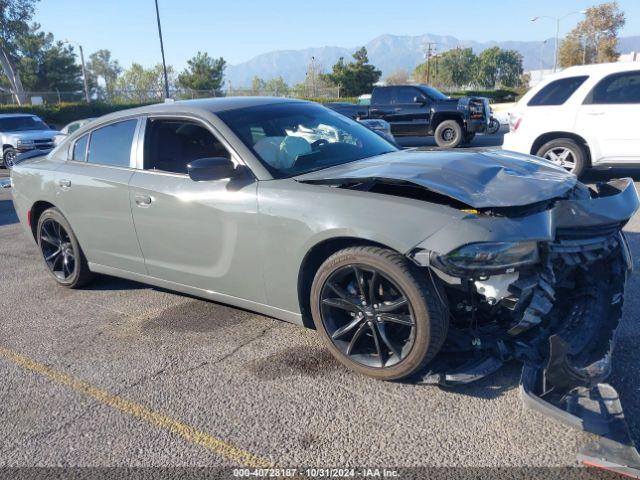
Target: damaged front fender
{"type": "Point", "coordinates": [559, 317]}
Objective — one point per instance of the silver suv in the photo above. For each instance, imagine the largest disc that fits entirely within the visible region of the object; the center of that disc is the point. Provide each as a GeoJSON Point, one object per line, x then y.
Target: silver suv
{"type": "Point", "coordinates": [23, 132]}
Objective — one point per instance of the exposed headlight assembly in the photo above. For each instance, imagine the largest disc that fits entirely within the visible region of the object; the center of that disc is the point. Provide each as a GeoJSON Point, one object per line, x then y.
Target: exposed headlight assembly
{"type": "Point", "coordinates": [487, 257]}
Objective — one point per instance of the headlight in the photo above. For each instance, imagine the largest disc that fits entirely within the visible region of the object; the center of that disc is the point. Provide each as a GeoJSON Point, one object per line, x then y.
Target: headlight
{"type": "Point", "coordinates": [22, 143]}
{"type": "Point", "coordinates": [490, 256]}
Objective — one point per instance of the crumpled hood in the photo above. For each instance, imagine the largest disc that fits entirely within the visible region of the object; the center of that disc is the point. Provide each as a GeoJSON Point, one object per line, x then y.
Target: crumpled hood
{"type": "Point", "coordinates": [479, 179]}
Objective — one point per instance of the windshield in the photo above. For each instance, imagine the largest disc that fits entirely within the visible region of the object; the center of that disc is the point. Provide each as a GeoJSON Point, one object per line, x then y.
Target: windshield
{"type": "Point", "coordinates": [20, 124]}
{"type": "Point", "coordinates": [433, 93]}
{"type": "Point", "coordinates": [295, 138]}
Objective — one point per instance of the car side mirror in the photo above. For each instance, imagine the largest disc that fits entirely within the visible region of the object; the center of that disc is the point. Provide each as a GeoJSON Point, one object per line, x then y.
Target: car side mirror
{"type": "Point", "coordinates": [207, 169]}
{"type": "Point", "coordinates": [420, 99]}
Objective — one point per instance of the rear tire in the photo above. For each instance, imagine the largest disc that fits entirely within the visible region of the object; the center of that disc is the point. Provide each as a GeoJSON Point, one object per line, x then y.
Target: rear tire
{"type": "Point", "coordinates": [401, 322]}
{"type": "Point", "coordinates": [567, 153]}
{"type": "Point", "coordinates": [449, 134]}
{"type": "Point", "coordinates": [61, 251]}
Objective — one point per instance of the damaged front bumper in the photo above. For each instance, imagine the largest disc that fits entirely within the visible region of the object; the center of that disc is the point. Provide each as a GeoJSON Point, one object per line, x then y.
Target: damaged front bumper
{"type": "Point", "coordinates": [558, 316]}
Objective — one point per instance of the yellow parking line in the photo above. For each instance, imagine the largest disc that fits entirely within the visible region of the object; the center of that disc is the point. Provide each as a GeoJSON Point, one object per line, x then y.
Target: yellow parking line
{"type": "Point", "coordinates": [189, 433]}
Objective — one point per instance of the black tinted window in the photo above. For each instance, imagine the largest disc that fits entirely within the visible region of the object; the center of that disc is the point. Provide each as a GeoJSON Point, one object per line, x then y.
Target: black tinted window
{"type": "Point", "coordinates": [171, 144]}
{"type": "Point", "coordinates": [79, 153]}
{"type": "Point", "coordinates": [111, 145]}
{"type": "Point", "coordinates": [616, 88]}
{"type": "Point", "coordinates": [381, 96]}
{"type": "Point", "coordinates": [557, 92]}
{"type": "Point", "coordinates": [406, 94]}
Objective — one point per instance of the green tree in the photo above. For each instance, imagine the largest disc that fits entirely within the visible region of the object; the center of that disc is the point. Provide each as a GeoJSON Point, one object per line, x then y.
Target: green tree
{"type": "Point", "coordinates": [203, 73]}
{"type": "Point", "coordinates": [595, 39]}
{"type": "Point", "coordinates": [276, 86]}
{"type": "Point", "coordinates": [139, 84]}
{"type": "Point", "coordinates": [103, 70]}
{"type": "Point", "coordinates": [497, 67]}
{"type": "Point", "coordinates": [15, 16]}
{"type": "Point", "coordinates": [46, 65]}
{"type": "Point", "coordinates": [354, 78]}
{"type": "Point", "coordinates": [257, 85]}
{"type": "Point", "coordinates": [452, 69]}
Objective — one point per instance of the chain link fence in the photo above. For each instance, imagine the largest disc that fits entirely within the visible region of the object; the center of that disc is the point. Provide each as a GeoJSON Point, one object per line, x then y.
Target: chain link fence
{"type": "Point", "coordinates": [151, 96]}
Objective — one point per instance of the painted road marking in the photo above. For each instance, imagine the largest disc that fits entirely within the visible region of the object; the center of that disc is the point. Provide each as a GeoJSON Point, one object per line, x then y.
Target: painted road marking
{"type": "Point", "coordinates": [157, 419]}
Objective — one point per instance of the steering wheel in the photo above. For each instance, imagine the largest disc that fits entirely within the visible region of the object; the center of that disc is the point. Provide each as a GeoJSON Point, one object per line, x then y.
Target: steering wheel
{"type": "Point", "coordinates": [319, 143]}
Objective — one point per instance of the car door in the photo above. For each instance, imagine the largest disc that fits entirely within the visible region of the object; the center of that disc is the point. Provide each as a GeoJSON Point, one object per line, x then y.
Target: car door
{"type": "Point", "coordinates": [199, 234]}
{"type": "Point", "coordinates": [93, 194]}
{"type": "Point", "coordinates": [381, 104]}
{"type": "Point", "coordinates": [410, 117]}
{"type": "Point", "coordinates": [609, 114]}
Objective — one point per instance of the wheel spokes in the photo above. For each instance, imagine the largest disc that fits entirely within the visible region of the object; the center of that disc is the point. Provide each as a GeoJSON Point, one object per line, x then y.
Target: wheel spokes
{"type": "Point", "coordinates": [360, 281]}
{"type": "Point", "coordinates": [355, 338]}
{"type": "Point", "coordinates": [397, 318]}
{"type": "Point", "coordinates": [388, 307]}
{"type": "Point", "coordinates": [341, 304]}
{"type": "Point", "coordinates": [385, 339]}
{"type": "Point", "coordinates": [346, 329]}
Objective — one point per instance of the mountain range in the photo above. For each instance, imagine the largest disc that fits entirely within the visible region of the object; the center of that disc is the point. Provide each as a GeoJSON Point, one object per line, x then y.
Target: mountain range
{"type": "Point", "coordinates": [390, 53]}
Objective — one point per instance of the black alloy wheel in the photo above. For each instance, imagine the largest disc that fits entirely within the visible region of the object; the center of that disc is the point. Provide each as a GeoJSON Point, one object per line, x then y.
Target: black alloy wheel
{"type": "Point", "coordinates": [367, 316]}
{"type": "Point", "coordinates": [61, 251]}
{"type": "Point", "coordinates": [57, 249]}
{"type": "Point", "coordinates": [377, 312]}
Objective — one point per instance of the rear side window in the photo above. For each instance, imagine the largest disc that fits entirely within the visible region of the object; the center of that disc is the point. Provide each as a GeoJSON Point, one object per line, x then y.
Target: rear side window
{"type": "Point", "coordinates": [618, 88]}
{"type": "Point", "coordinates": [405, 95]}
{"type": "Point", "coordinates": [381, 96]}
{"type": "Point", "coordinates": [79, 153]}
{"type": "Point", "coordinates": [557, 92]}
{"type": "Point", "coordinates": [111, 145]}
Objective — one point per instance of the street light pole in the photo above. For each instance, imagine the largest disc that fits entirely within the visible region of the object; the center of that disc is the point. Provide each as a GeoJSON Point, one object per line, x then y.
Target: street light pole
{"type": "Point", "coordinates": [164, 63]}
{"type": "Point", "coordinates": [557, 20]}
{"type": "Point", "coordinates": [84, 70]}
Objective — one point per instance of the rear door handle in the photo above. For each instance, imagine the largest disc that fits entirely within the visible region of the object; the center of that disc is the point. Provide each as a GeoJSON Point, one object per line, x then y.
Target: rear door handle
{"type": "Point", "coordinates": [65, 183]}
{"type": "Point", "coordinates": [143, 200]}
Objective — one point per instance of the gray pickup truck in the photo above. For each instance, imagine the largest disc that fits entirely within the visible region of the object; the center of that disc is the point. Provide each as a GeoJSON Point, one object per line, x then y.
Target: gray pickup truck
{"type": "Point", "coordinates": [20, 133]}
{"type": "Point", "coordinates": [421, 110]}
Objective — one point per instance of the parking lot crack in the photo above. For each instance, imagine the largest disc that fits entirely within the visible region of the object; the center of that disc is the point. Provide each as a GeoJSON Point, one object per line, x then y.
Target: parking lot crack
{"type": "Point", "coordinates": [243, 345]}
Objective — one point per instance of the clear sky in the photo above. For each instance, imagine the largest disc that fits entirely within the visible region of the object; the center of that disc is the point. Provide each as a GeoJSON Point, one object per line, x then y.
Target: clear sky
{"type": "Point", "coordinates": [241, 29]}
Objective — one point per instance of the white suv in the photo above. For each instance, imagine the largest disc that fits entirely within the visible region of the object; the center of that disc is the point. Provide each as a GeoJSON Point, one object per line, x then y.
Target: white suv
{"type": "Point", "coordinates": [581, 117]}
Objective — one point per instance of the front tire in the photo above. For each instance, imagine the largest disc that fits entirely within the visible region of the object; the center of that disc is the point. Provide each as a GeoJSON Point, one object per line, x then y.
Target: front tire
{"type": "Point", "coordinates": [449, 134]}
{"type": "Point", "coordinates": [566, 153]}
{"type": "Point", "coordinates": [61, 251]}
{"type": "Point", "coordinates": [377, 313]}
{"type": "Point", "coordinates": [9, 155]}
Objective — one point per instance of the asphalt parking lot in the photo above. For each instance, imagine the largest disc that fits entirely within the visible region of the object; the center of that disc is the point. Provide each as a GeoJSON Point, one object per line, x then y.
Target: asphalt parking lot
{"type": "Point", "coordinates": [123, 374]}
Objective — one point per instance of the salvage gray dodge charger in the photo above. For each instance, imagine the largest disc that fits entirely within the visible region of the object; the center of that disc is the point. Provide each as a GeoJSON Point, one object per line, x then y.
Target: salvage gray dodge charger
{"type": "Point", "coordinates": [439, 266]}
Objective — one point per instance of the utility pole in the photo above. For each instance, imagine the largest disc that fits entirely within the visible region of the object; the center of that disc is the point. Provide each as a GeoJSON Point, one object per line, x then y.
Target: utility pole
{"type": "Point", "coordinates": [164, 63]}
{"type": "Point", "coordinates": [428, 55]}
{"type": "Point", "coordinates": [84, 70]}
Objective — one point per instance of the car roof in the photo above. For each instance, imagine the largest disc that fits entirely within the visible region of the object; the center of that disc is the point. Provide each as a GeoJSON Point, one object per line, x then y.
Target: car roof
{"type": "Point", "coordinates": [598, 68]}
{"type": "Point", "coordinates": [14, 115]}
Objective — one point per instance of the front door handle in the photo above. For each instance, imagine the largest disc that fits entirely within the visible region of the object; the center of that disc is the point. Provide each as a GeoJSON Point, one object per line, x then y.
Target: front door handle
{"type": "Point", "coordinates": [65, 183]}
{"type": "Point", "coordinates": [143, 200]}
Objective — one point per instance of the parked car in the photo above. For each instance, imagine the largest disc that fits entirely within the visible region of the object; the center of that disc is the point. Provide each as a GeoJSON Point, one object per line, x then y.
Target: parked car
{"type": "Point", "coordinates": [21, 133]}
{"type": "Point", "coordinates": [438, 264]}
{"type": "Point", "coordinates": [420, 110]}
{"type": "Point", "coordinates": [583, 117]}
{"type": "Point", "coordinates": [70, 128]}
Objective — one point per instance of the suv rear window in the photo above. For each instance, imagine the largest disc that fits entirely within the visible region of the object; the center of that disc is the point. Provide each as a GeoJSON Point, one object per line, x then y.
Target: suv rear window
{"type": "Point", "coordinates": [557, 92]}
{"type": "Point", "coordinates": [618, 88]}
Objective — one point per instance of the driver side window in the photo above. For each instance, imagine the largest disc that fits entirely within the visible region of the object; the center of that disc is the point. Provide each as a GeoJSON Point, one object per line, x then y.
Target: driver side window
{"type": "Point", "coordinates": [171, 144]}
